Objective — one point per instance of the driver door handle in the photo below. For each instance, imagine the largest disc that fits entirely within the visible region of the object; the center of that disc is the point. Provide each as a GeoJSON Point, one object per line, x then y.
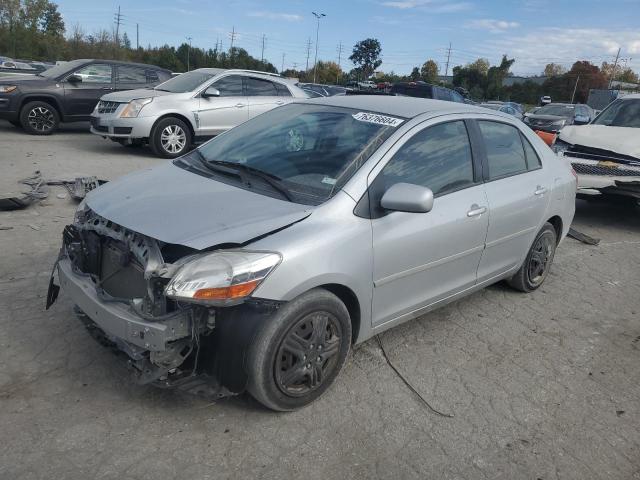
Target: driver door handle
{"type": "Point", "coordinates": [240, 105]}
{"type": "Point", "coordinates": [476, 210]}
{"type": "Point", "coordinates": [540, 191]}
{"type": "Point", "coordinates": [280, 102]}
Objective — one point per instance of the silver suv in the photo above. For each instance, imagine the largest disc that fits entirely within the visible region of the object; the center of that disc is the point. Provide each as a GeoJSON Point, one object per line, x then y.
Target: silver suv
{"type": "Point", "coordinates": [256, 260]}
{"type": "Point", "coordinates": [194, 105]}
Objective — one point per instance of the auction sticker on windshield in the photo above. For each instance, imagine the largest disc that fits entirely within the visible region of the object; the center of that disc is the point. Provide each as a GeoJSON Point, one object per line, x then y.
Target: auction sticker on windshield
{"type": "Point", "coordinates": [377, 119]}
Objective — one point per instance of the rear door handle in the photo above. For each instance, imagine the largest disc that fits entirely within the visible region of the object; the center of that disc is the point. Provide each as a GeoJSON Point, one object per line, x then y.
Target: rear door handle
{"type": "Point", "coordinates": [240, 105]}
{"type": "Point", "coordinates": [476, 210]}
{"type": "Point", "coordinates": [280, 102]}
{"type": "Point", "coordinates": [106, 88]}
{"type": "Point", "coordinates": [540, 191]}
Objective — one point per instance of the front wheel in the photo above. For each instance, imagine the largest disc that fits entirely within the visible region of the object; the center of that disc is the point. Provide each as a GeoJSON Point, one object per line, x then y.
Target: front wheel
{"type": "Point", "coordinates": [299, 351]}
{"type": "Point", "coordinates": [170, 138]}
{"type": "Point", "coordinates": [536, 266]}
{"type": "Point", "coordinates": [39, 118]}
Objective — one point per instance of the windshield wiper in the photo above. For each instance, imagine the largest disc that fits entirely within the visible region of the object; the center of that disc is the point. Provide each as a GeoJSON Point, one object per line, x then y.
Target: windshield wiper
{"type": "Point", "coordinates": [270, 179]}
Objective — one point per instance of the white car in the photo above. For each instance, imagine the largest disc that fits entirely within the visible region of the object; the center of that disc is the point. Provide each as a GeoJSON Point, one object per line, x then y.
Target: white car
{"type": "Point", "coordinates": [194, 105]}
{"type": "Point", "coordinates": [606, 153]}
{"type": "Point", "coordinates": [368, 85]}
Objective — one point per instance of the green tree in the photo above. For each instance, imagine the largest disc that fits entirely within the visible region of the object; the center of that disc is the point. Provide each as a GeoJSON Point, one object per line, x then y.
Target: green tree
{"type": "Point", "coordinates": [429, 71]}
{"type": "Point", "coordinates": [366, 55]}
{"type": "Point", "coordinates": [481, 65]}
{"type": "Point", "coordinates": [495, 77]}
{"type": "Point", "coordinates": [415, 74]}
{"type": "Point", "coordinates": [553, 70]}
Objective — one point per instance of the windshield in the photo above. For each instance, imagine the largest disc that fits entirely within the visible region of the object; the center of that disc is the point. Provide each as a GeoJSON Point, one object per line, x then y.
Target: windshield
{"type": "Point", "coordinates": [557, 110]}
{"type": "Point", "coordinates": [310, 150]}
{"type": "Point", "coordinates": [185, 82]}
{"type": "Point", "coordinates": [62, 69]}
{"type": "Point", "coordinates": [620, 113]}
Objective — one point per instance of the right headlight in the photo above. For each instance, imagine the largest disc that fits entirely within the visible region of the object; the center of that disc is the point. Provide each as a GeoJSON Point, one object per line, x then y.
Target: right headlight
{"type": "Point", "coordinates": [221, 278]}
{"type": "Point", "coordinates": [133, 108]}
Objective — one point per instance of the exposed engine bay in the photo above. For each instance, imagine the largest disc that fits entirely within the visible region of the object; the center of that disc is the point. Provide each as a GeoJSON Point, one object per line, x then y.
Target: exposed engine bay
{"type": "Point", "coordinates": [164, 342]}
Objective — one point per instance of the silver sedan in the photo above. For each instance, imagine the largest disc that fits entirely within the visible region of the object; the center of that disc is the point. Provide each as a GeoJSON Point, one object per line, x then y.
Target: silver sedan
{"type": "Point", "coordinates": [256, 260]}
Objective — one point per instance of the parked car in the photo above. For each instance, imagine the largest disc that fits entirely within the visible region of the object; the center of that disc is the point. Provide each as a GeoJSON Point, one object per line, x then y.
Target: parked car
{"type": "Point", "coordinates": [426, 90]}
{"type": "Point", "coordinates": [555, 116]}
{"type": "Point", "coordinates": [545, 100]}
{"type": "Point", "coordinates": [257, 259]}
{"type": "Point", "coordinates": [367, 85]}
{"type": "Point", "coordinates": [8, 64]}
{"type": "Point", "coordinates": [322, 90]}
{"type": "Point", "coordinates": [504, 108]}
{"type": "Point", "coordinates": [606, 153]}
{"type": "Point", "coordinates": [69, 92]}
{"type": "Point", "coordinates": [198, 104]}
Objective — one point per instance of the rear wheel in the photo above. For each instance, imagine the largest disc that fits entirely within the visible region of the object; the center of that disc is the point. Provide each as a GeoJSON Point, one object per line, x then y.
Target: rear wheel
{"type": "Point", "coordinates": [535, 268]}
{"type": "Point", "coordinates": [39, 118]}
{"type": "Point", "coordinates": [170, 138]}
{"type": "Point", "coordinates": [298, 353]}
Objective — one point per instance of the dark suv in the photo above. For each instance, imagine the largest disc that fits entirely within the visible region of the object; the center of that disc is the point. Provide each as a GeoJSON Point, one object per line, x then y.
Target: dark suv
{"type": "Point", "coordinates": [426, 90]}
{"type": "Point", "coordinates": [69, 92]}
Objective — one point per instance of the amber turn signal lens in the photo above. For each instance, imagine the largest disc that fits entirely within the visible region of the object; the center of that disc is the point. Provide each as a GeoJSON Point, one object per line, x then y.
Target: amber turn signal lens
{"type": "Point", "coordinates": [225, 293]}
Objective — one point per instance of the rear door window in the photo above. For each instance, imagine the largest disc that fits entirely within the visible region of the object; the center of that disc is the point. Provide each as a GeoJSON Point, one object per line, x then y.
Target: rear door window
{"type": "Point", "coordinates": [505, 152]}
{"type": "Point", "coordinates": [129, 74]}
{"type": "Point", "coordinates": [258, 87]}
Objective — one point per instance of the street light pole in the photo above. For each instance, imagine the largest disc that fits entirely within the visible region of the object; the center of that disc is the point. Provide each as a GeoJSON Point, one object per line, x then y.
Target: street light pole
{"type": "Point", "coordinates": [188, 54]}
{"type": "Point", "coordinates": [315, 62]}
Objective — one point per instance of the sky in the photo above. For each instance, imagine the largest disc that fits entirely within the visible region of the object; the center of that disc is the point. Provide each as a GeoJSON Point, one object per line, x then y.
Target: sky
{"type": "Point", "coordinates": [534, 32]}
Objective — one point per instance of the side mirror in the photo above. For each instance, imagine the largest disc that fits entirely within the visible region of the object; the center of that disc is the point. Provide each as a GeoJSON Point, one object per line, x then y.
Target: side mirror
{"type": "Point", "coordinates": [211, 92]}
{"type": "Point", "coordinates": [580, 119]}
{"type": "Point", "coordinates": [406, 197]}
{"type": "Point", "coordinates": [74, 78]}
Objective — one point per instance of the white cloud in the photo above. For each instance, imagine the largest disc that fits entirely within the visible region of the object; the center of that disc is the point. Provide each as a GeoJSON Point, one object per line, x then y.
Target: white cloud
{"type": "Point", "coordinates": [433, 6]}
{"type": "Point", "coordinates": [287, 17]}
{"type": "Point", "coordinates": [533, 50]}
{"type": "Point", "coordinates": [493, 26]}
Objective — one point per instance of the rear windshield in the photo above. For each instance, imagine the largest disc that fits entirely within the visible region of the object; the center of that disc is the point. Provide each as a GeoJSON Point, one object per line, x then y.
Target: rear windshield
{"type": "Point", "coordinates": [310, 150]}
{"type": "Point", "coordinates": [558, 110]}
{"type": "Point", "coordinates": [620, 113]}
{"type": "Point", "coordinates": [185, 82]}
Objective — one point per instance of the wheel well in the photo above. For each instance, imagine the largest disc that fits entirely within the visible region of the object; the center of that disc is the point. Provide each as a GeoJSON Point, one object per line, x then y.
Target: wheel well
{"type": "Point", "coordinates": [350, 301]}
{"type": "Point", "coordinates": [50, 100]}
{"type": "Point", "coordinates": [556, 221]}
{"type": "Point", "coordinates": [176, 115]}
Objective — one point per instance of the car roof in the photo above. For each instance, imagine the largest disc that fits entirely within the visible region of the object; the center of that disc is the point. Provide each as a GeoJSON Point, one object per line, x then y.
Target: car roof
{"type": "Point", "coordinates": [407, 107]}
{"type": "Point", "coordinates": [630, 96]}
{"type": "Point", "coordinates": [118, 62]}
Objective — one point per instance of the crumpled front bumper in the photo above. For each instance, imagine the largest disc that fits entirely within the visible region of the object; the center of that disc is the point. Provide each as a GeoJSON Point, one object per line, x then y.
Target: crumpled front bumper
{"type": "Point", "coordinates": [117, 319]}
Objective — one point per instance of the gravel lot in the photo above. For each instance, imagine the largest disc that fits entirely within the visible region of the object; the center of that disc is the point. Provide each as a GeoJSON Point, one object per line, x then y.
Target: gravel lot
{"type": "Point", "coordinates": [541, 386]}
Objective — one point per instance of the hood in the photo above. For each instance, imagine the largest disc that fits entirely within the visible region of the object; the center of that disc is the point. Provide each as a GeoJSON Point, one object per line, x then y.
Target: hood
{"type": "Point", "coordinates": [127, 95]}
{"type": "Point", "coordinates": [176, 206]}
{"type": "Point", "coordinates": [622, 140]}
{"type": "Point", "coordinates": [18, 79]}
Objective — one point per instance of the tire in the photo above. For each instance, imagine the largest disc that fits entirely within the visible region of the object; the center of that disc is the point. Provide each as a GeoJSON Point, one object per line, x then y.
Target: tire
{"type": "Point", "coordinates": [39, 118]}
{"type": "Point", "coordinates": [170, 138]}
{"type": "Point", "coordinates": [536, 266]}
{"type": "Point", "coordinates": [297, 354]}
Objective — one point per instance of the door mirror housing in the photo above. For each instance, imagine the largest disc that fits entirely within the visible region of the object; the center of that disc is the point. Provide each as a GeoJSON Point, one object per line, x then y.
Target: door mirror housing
{"type": "Point", "coordinates": [407, 197]}
{"type": "Point", "coordinates": [581, 119]}
{"type": "Point", "coordinates": [74, 78]}
{"type": "Point", "coordinates": [211, 92]}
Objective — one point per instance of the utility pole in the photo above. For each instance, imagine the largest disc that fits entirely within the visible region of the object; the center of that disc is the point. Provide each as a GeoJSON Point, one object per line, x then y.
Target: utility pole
{"type": "Point", "coordinates": [117, 20]}
{"type": "Point", "coordinates": [137, 36]}
{"type": "Point", "coordinates": [282, 69]}
{"type": "Point", "coordinates": [232, 35]}
{"type": "Point", "coordinates": [189, 54]}
{"type": "Point", "coordinates": [575, 87]}
{"type": "Point", "coordinates": [339, 60]}
{"type": "Point", "coordinates": [264, 38]}
{"type": "Point", "coordinates": [315, 62]}
{"type": "Point", "coordinates": [613, 71]}
{"type": "Point", "coordinates": [308, 53]}
{"type": "Point", "coordinates": [446, 69]}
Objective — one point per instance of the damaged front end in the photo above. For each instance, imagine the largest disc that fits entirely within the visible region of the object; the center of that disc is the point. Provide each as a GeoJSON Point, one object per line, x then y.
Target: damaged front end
{"type": "Point", "coordinates": [180, 317]}
{"type": "Point", "coordinates": [602, 171]}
